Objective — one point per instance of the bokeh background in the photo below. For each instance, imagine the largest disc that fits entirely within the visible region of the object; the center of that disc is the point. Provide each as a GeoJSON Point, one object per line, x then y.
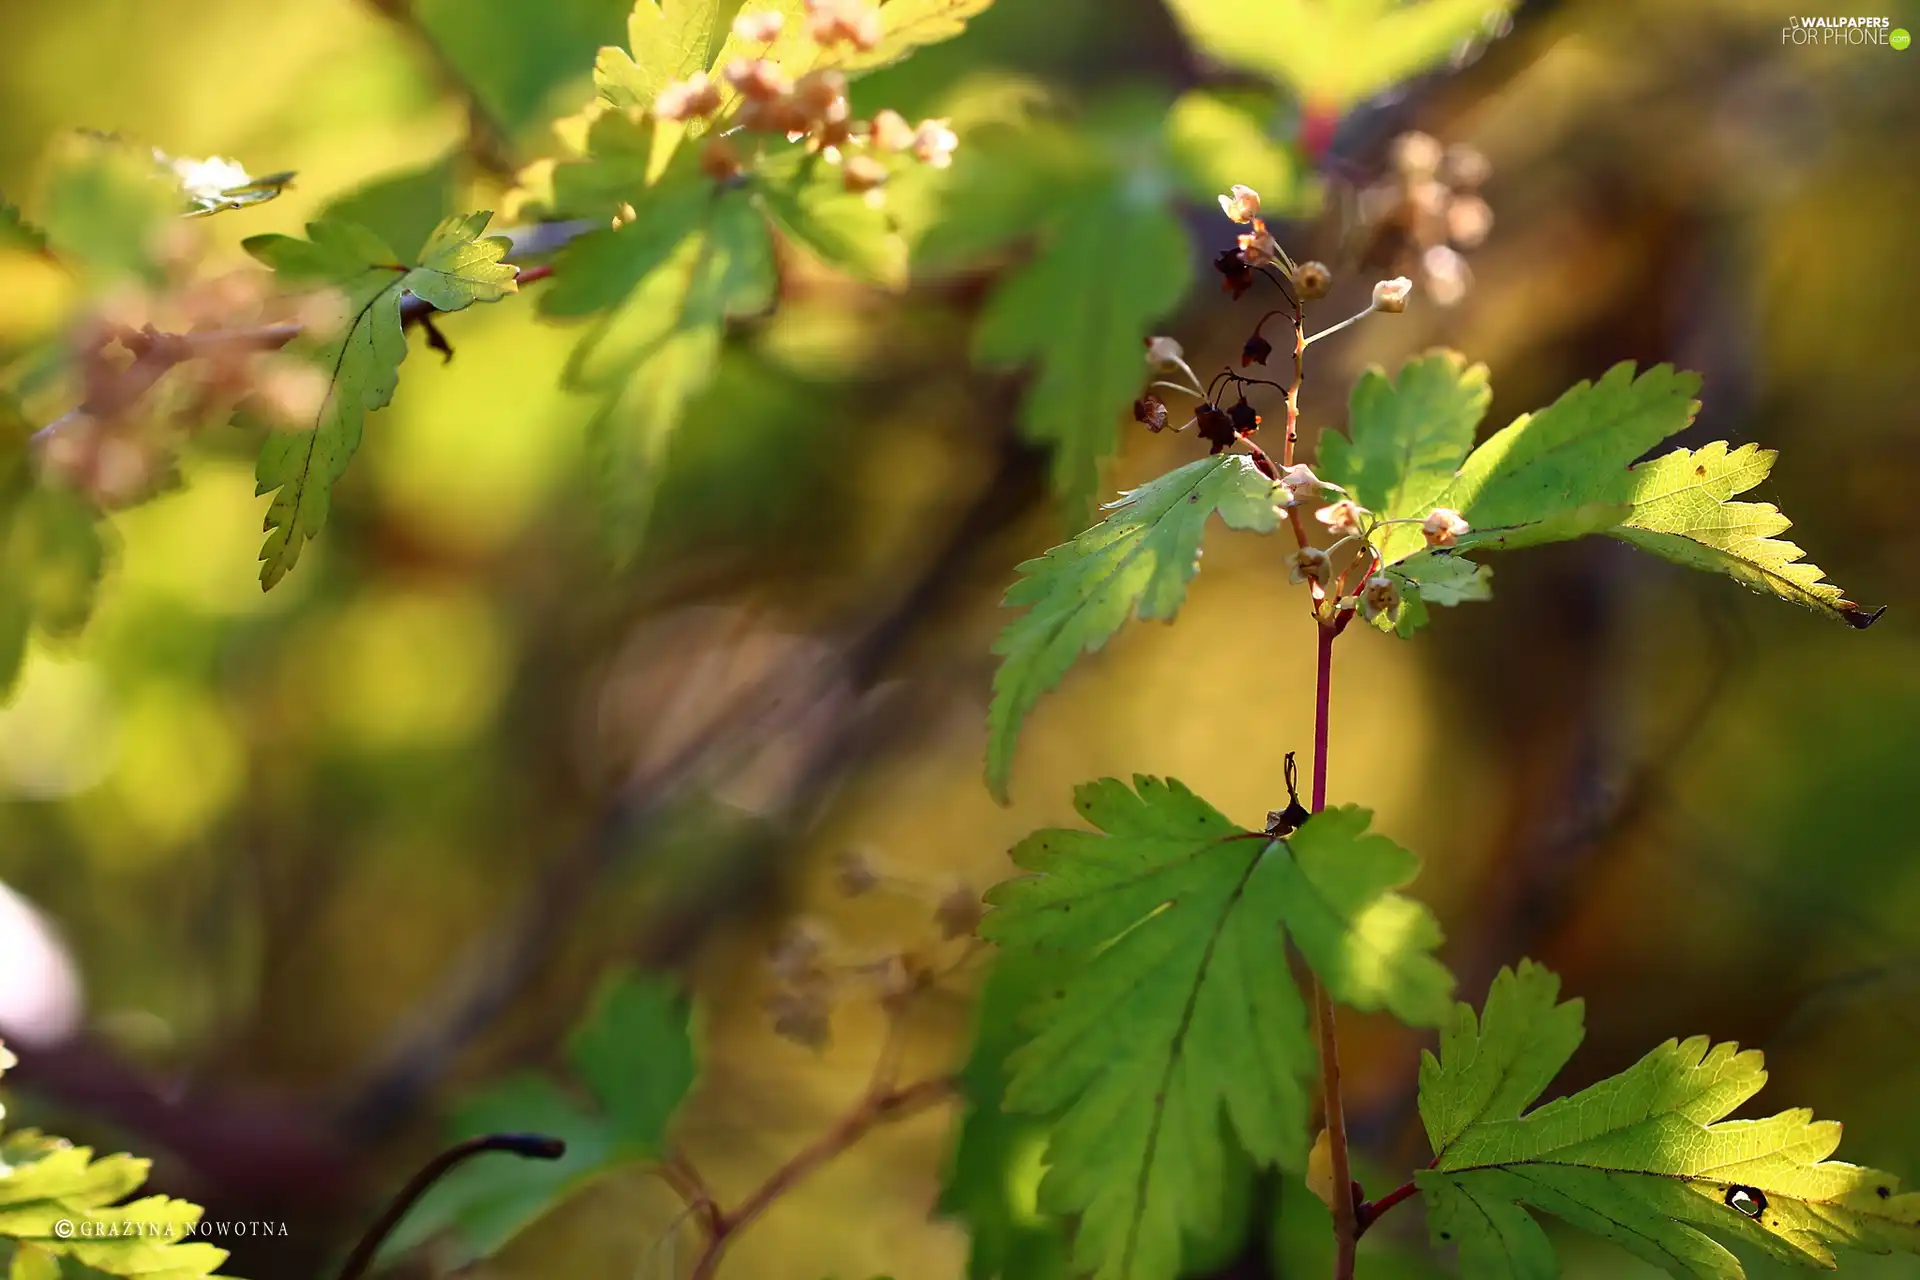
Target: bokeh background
{"type": "Point", "coordinates": [321, 862]}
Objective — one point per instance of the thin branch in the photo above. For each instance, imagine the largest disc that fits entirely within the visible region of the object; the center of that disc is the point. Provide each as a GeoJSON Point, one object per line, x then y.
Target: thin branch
{"type": "Point", "coordinates": [876, 1107]}
{"type": "Point", "coordinates": [487, 137]}
{"type": "Point", "coordinates": [1373, 1210]}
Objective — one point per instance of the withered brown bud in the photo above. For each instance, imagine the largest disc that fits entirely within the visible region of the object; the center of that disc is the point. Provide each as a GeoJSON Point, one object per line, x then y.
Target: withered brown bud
{"type": "Point", "coordinates": [1236, 277]}
{"type": "Point", "coordinates": [959, 912]}
{"type": "Point", "coordinates": [1256, 351]}
{"type": "Point", "coordinates": [1243, 418]}
{"type": "Point", "coordinates": [1151, 410]}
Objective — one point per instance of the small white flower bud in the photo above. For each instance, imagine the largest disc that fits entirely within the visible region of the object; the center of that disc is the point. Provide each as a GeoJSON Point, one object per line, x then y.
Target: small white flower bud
{"type": "Point", "coordinates": [759, 28]}
{"type": "Point", "coordinates": [1165, 353]}
{"type": "Point", "coordinates": [1391, 295]}
{"type": "Point", "coordinates": [1310, 563]}
{"type": "Point", "coordinates": [1444, 527]}
{"type": "Point", "coordinates": [1300, 483]}
{"type": "Point", "coordinates": [1345, 517]}
{"type": "Point", "coordinates": [1241, 204]}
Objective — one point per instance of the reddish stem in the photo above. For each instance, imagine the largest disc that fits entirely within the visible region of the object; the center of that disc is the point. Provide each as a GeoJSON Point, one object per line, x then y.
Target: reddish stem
{"type": "Point", "coordinates": [1346, 1228]}
{"type": "Point", "coordinates": [1372, 1211]}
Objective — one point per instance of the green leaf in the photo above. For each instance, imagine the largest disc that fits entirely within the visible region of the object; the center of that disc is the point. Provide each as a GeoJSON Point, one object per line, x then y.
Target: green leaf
{"type": "Point", "coordinates": [518, 57]}
{"type": "Point", "coordinates": [1642, 1158]}
{"type": "Point", "coordinates": [1433, 578]}
{"type": "Point", "coordinates": [911, 25]}
{"type": "Point", "coordinates": [1333, 53]}
{"type": "Point", "coordinates": [1171, 1018]}
{"type": "Point", "coordinates": [402, 207]}
{"type": "Point", "coordinates": [1136, 561]}
{"type": "Point", "coordinates": [1111, 267]}
{"type": "Point", "coordinates": [487, 1201]}
{"type": "Point", "coordinates": [17, 233]}
{"type": "Point", "coordinates": [1216, 140]}
{"type": "Point", "coordinates": [51, 552]}
{"type": "Point", "coordinates": [362, 360]}
{"type": "Point", "coordinates": [810, 202]}
{"type": "Point", "coordinates": [1569, 470]}
{"type": "Point", "coordinates": [635, 1051]}
{"type": "Point", "coordinates": [1406, 436]}
{"type": "Point", "coordinates": [103, 208]}
{"type": "Point", "coordinates": [694, 258]}
{"type": "Point", "coordinates": [1681, 511]}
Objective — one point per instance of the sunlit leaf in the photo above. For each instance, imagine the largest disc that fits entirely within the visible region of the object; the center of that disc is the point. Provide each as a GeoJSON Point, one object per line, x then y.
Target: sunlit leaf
{"type": "Point", "coordinates": [1169, 1018]}
{"type": "Point", "coordinates": [1136, 561]}
{"type": "Point", "coordinates": [694, 257]}
{"type": "Point", "coordinates": [1216, 139]}
{"type": "Point", "coordinates": [1406, 436]}
{"type": "Point", "coordinates": [1334, 52]}
{"type": "Point", "coordinates": [362, 359]}
{"type": "Point", "coordinates": [1643, 1158]}
{"type": "Point", "coordinates": [810, 202]}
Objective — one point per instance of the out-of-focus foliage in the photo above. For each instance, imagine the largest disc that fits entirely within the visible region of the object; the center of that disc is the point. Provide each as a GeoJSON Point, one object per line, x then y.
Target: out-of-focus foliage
{"type": "Point", "coordinates": [635, 1055]}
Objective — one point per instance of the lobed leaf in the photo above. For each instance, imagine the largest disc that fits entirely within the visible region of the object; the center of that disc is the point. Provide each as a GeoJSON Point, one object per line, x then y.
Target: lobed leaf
{"type": "Point", "coordinates": [1407, 436]}
{"type": "Point", "coordinates": [1136, 561]}
{"type": "Point", "coordinates": [1643, 1158]}
{"type": "Point", "coordinates": [453, 269]}
{"type": "Point", "coordinates": [1169, 1019]}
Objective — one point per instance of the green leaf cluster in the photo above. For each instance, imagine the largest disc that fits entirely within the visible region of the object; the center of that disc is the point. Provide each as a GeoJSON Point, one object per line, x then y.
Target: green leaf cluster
{"type": "Point", "coordinates": [634, 1053]}
{"type": "Point", "coordinates": [1568, 470]}
{"type": "Point", "coordinates": [58, 1201]}
{"type": "Point", "coordinates": [1644, 1158]}
{"type": "Point", "coordinates": [361, 357]}
{"type": "Point", "coordinates": [1169, 1035]}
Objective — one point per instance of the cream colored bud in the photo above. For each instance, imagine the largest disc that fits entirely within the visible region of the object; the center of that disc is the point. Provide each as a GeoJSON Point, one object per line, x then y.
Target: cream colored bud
{"type": "Point", "coordinates": [758, 79]}
{"type": "Point", "coordinates": [719, 160]}
{"type": "Point", "coordinates": [1391, 295]}
{"type": "Point", "coordinates": [762, 27]}
{"type": "Point", "coordinates": [694, 98]}
{"type": "Point", "coordinates": [1241, 204]}
{"type": "Point", "coordinates": [1417, 155]}
{"type": "Point", "coordinates": [1258, 247]}
{"type": "Point", "coordinates": [890, 130]}
{"type": "Point", "coordinates": [1443, 527]}
{"type": "Point", "coordinates": [1312, 281]}
{"type": "Point", "coordinates": [1469, 219]}
{"type": "Point", "coordinates": [1301, 484]}
{"type": "Point", "coordinates": [934, 143]}
{"type": "Point", "coordinates": [1165, 353]}
{"type": "Point", "coordinates": [1346, 517]}
{"type": "Point", "coordinates": [863, 173]}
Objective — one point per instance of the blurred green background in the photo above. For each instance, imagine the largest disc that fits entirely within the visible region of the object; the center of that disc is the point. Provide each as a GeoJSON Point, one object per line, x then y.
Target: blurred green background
{"type": "Point", "coordinates": [328, 858]}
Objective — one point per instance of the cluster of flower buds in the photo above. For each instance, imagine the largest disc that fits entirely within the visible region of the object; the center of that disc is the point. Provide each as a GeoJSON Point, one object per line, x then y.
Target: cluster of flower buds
{"type": "Point", "coordinates": [1424, 212]}
{"type": "Point", "coordinates": [810, 977]}
{"type": "Point", "coordinates": [813, 108]}
{"type": "Point", "coordinates": [154, 365]}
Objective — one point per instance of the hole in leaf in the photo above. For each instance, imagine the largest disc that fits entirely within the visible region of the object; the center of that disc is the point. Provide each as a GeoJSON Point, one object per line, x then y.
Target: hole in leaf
{"type": "Point", "coordinates": [1751, 1201]}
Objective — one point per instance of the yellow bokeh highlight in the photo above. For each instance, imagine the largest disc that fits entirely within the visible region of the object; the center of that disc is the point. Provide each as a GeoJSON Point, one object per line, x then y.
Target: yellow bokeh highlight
{"type": "Point", "coordinates": [414, 669]}
{"type": "Point", "coordinates": [180, 765]}
{"type": "Point", "coordinates": [200, 545]}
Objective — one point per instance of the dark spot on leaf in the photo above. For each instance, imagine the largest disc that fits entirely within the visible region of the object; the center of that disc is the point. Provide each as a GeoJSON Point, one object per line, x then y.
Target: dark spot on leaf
{"type": "Point", "coordinates": [1882, 1192]}
{"type": "Point", "coordinates": [1446, 1235]}
{"type": "Point", "coordinates": [1700, 470]}
{"type": "Point", "coordinates": [1193, 497]}
{"type": "Point", "coordinates": [1751, 1201]}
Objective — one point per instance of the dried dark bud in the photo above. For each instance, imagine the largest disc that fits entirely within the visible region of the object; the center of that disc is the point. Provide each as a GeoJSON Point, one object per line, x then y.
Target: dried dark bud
{"type": "Point", "coordinates": [1152, 410]}
{"type": "Point", "coordinates": [1236, 277]}
{"type": "Point", "coordinates": [1256, 351]}
{"type": "Point", "coordinates": [802, 1015]}
{"type": "Point", "coordinates": [1243, 418]}
{"type": "Point", "coordinates": [1216, 428]}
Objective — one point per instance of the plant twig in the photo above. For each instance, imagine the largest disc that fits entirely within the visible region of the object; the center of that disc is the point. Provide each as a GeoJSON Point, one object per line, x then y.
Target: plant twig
{"type": "Point", "coordinates": [529, 1146]}
{"type": "Point", "coordinates": [876, 1107]}
{"type": "Point", "coordinates": [1346, 1229]}
{"type": "Point", "coordinates": [1373, 1210]}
